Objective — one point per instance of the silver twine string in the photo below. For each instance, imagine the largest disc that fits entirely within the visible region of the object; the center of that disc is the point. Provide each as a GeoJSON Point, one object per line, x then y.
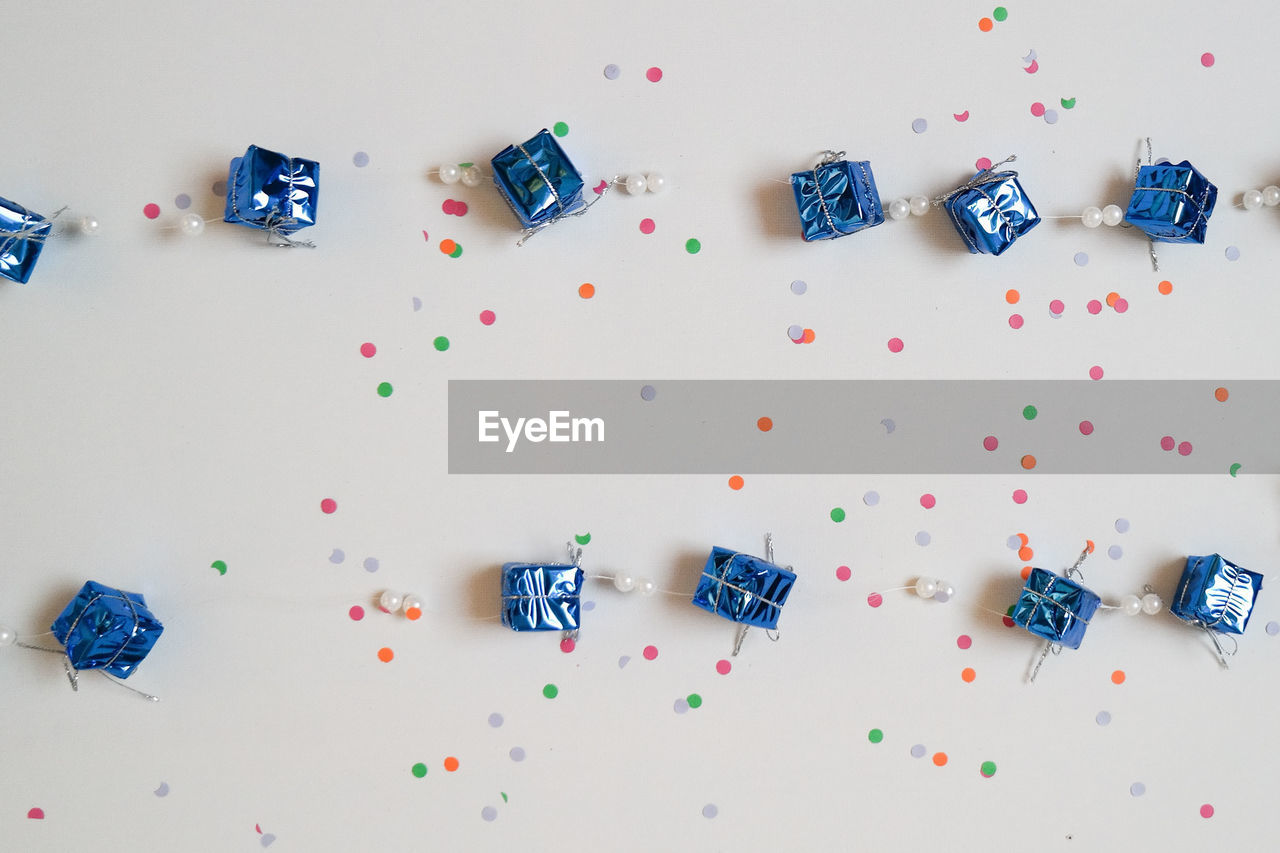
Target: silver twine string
{"type": "Point", "coordinates": [33, 232]}
{"type": "Point", "coordinates": [987, 176]}
{"type": "Point", "coordinates": [561, 212]}
{"type": "Point", "coordinates": [743, 628]}
{"type": "Point", "coordinates": [1210, 629]}
{"type": "Point", "coordinates": [277, 227]}
{"type": "Point", "coordinates": [1137, 170]}
{"type": "Point", "coordinates": [1050, 646]}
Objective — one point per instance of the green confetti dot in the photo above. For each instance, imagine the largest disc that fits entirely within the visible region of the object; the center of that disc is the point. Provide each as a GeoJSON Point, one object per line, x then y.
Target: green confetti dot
{"type": "Point", "coordinates": [695, 701]}
{"type": "Point", "coordinates": [1009, 612]}
{"type": "Point", "coordinates": [441, 343]}
{"type": "Point", "coordinates": [1030, 413]}
{"type": "Point", "coordinates": [419, 770]}
{"type": "Point", "coordinates": [988, 769]}
{"type": "Point", "coordinates": [504, 795]}
{"type": "Point", "coordinates": [693, 246]}
{"type": "Point", "coordinates": [1234, 469]}
{"type": "Point", "coordinates": [551, 691]}
{"type": "Point", "coordinates": [560, 129]}
{"type": "Point", "coordinates": [583, 539]}
{"type": "Point", "coordinates": [457, 250]}
{"type": "Point", "coordinates": [875, 735]}
{"type": "Point", "coordinates": [384, 389]}
{"type": "Point", "coordinates": [222, 567]}
{"type": "Point", "coordinates": [465, 165]}
{"type": "Point", "coordinates": [837, 515]}
{"type": "Point", "coordinates": [1000, 14]}
{"type": "Point", "coordinates": [1068, 103]}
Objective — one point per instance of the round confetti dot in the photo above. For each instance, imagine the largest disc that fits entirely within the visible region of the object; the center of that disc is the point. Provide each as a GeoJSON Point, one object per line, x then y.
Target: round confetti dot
{"type": "Point", "coordinates": [928, 501]}
{"type": "Point", "coordinates": [941, 596]}
{"type": "Point", "coordinates": [1103, 718]}
{"type": "Point", "coordinates": [1184, 448]}
{"type": "Point", "coordinates": [1086, 427]}
{"type": "Point", "coordinates": [967, 675]}
{"type": "Point", "coordinates": [1232, 253]}
{"type": "Point", "coordinates": [895, 345]}
{"type": "Point", "coordinates": [735, 482]}
{"type": "Point", "coordinates": [1016, 541]}
{"type": "Point", "coordinates": [798, 287]}
{"type": "Point", "coordinates": [985, 24]}
{"type": "Point", "coordinates": [875, 599]}
{"type": "Point", "coordinates": [1094, 307]}
{"type": "Point", "coordinates": [647, 226]}
{"type": "Point", "coordinates": [496, 720]}
{"type": "Point", "coordinates": [650, 652]}
{"type": "Point", "coordinates": [337, 556]}
{"type": "Point", "coordinates": [360, 159]}
{"type": "Point", "coordinates": [489, 813]}
{"type": "Point", "coordinates": [871, 498]}
{"type": "Point", "coordinates": [692, 245]}
{"type": "Point", "coordinates": [413, 614]}
{"type": "Point", "coordinates": [220, 565]}
{"type": "Point", "coordinates": [1220, 394]}
{"type": "Point", "coordinates": [1037, 109]}
{"type": "Point", "coordinates": [219, 189]}
{"type": "Point", "coordinates": [1028, 462]}
{"type": "Point", "coordinates": [1137, 789]}
{"type": "Point", "coordinates": [1273, 628]}
{"type": "Point", "coordinates": [550, 691]}
{"type": "Point", "coordinates": [451, 764]}
{"type": "Point", "coordinates": [418, 770]}
{"type": "Point", "coordinates": [371, 564]}
{"type": "Point", "coordinates": [328, 506]}
{"type": "Point", "coordinates": [808, 336]}
{"type": "Point", "coordinates": [441, 343]}
{"type": "Point", "coordinates": [1025, 554]}
{"type": "Point", "coordinates": [385, 654]}
{"type": "Point", "coordinates": [1206, 811]}
{"type": "Point", "coordinates": [448, 247]}
{"type": "Point", "coordinates": [723, 667]}
{"type": "Point", "coordinates": [1056, 307]}
{"type": "Point", "coordinates": [918, 751]}
{"type": "Point", "coordinates": [1000, 14]}
{"type": "Point", "coordinates": [1030, 412]}
{"type": "Point", "coordinates": [1122, 305]}
{"type": "Point", "coordinates": [1206, 59]}
{"type": "Point", "coordinates": [843, 573]}
{"type": "Point", "coordinates": [1115, 552]}
{"type": "Point", "coordinates": [1122, 525]}
{"type": "Point", "coordinates": [1095, 373]}
{"type": "Point", "coordinates": [588, 606]}
{"type": "Point", "coordinates": [1019, 496]}
{"type": "Point", "coordinates": [648, 393]}
{"type": "Point", "coordinates": [1088, 545]}
{"type": "Point", "coordinates": [1081, 259]}
{"type": "Point", "coordinates": [487, 317]}
{"type": "Point", "coordinates": [384, 389]}
{"type": "Point", "coordinates": [694, 700]}
{"type": "Point", "coordinates": [567, 645]}
{"type": "Point", "coordinates": [417, 303]}
{"type": "Point", "coordinates": [1012, 297]}
{"type": "Point", "coordinates": [356, 613]}
{"type": "Point", "coordinates": [517, 753]}
{"type": "Point", "coordinates": [586, 291]}
{"type": "Point", "coordinates": [875, 735]}
{"type": "Point", "coordinates": [990, 443]}
{"type": "Point", "coordinates": [1117, 677]}
{"type": "Point", "coordinates": [560, 129]}
{"type": "Point", "coordinates": [368, 350]}
{"type": "Point", "coordinates": [1167, 443]}
{"type": "Point", "coordinates": [919, 125]}
{"type": "Point", "coordinates": [457, 247]}
{"type": "Point", "coordinates": [923, 538]}
{"type": "Point", "coordinates": [1015, 321]}
{"type": "Point", "coordinates": [764, 424]}
{"type": "Point", "coordinates": [680, 706]}
{"type": "Point", "coordinates": [988, 769]}
{"type": "Point", "coordinates": [796, 334]}
{"type": "Point", "coordinates": [709, 811]}
{"type": "Point", "coordinates": [1026, 572]}
{"type": "Point", "coordinates": [837, 515]}
{"type": "Point", "coordinates": [182, 201]}
{"type": "Point", "coordinates": [964, 642]}
{"type": "Point", "coordinates": [982, 163]}
{"type": "Point", "coordinates": [1164, 288]}
{"type": "Point", "coordinates": [940, 759]}
{"type": "Point", "coordinates": [1050, 116]}
{"type": "Point", "coordinates": [1111, 298]}
{"type": "Point", "coordinates": [654, 74]}
{"type": "Point", "coordinates": [611, 71]}
{"type": "Point", "coordinates": [151, 211]}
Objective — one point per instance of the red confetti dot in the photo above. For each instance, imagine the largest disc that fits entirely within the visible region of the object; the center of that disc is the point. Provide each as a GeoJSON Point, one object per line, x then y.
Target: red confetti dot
{"type": "Point", "coordinates": [1020, 496]}
{"type": "Point", "coordinates": [1184, 449]}
{"type": "Point", "coordinates": [1015, 321]}
{"type": "Point", "coordinates": [1095, 373]}
{"type": "Point", "coordinates": [1086, 427]}
{"type": "Point", "coordinates": [1206, 811]}
{"type": "Point", "coordinates": [460, 209]}
{"type": "Point", "coordinates": [1094, 306]}
{"type": "Point", "coordinates": [328, 506]}
{"type": "Point", "coordinates": [646, 226]}
{"type": "Point", "coordinates": [1167, 443]}
{"type": "Point", "coordinates": [1007, 620]}
{"type": "Point", "coordinates": [1037, 109]}
{"type": "Point", "coordinates": [843, 573]}
{"type": "Point", "coordinates": [654, 74]}
{"type": "Point", "coordinates": [368, 350]}
{"type": "Point", "coordinates": [567, 645]}
{"type": "Point", "coordinates": [875, 599]}
{"type": "Point", "coordinates": [650, 652]}
{"type": "Point", "coordinates": [1206, 59]}
{"type": "Point", "coordinates": [723, 667]}
{"type": "Point", "coordinates": [487, 317]}
{"type": "Point", "coordinates": [964, 641]}
{"type": "Point", "coordinates": [447, 207]}
{"type": "Point", "coordinates": [928, 501]}
{"type": "Point", "coordinates": [356, 613]}
{"type": "Point", "coordinates": [990, 443]}
{"type": "Point", "coordinates": [151, 211]}
{"type": "Point", "coordinates": [895, 344]}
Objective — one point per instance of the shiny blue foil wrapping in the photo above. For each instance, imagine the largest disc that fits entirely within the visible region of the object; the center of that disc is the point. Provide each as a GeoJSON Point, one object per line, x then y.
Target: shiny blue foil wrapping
{"type": "Point", "coordinates": [742, 588]}
{"type": "Point", "coordinates": [108, 629]}
{"type": "Point", "coordinates": [541, 596]}
{"type": "Point", "coordinates": [271, 191]}
{"type": "Point", "coordinates": [22, 235]}
{"type": "Point", "coordinates": [836, 199]}
{"type": "Point", "coordinates": [538, 180]}
{"type": "Point", "coordinates": [1216, 594]}
{"type": "Point", "coordinates": [1172, 204]}
{"type": "Point", "coordinates": [993, 214]}
{"type": "Point", "coordinates": [1055, 608]}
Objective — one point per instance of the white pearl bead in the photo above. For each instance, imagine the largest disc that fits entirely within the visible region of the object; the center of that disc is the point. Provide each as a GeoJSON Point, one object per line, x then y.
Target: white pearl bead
{"type": "Point", "coordinates": [624, 582]}
{"type": "Point", "coordinates": [1131, 605]}
{"type": "Point", "coordinates": [411, 602]}
{"type": "Point", "coordinates": [191, 224]}
{"type": "Point", "coordinates": [919, 205]}
{"type": "Point", "coordinates": [646, 586]}
{"type": "Point", "coordinates": [471, 176]}
{"type": "Point", "coordinates": [389, 601]}
{"type": "Point", "coordinates": [1112, 215]}
{"type": "Point", "coordinates": [89, 225]}
{"type": "Point", "coordinates": [945, 589]}
{"type": "Point", "coordinates": [1271, 196]}
{"type": "Point", "coordinates": [635, 184]}
{"type": "Point", "coordinates": [1151, 604]}
{"type": "Point", "coordinates": [450, 174]}
{"type": "Point", "coordinates": [899, 208]}
{"type": "Point", "coordinates": [1092, 217]}
{"type": "Point", "coordinates": [926, 587]}
{"type": "Point", "coordinates": [1252, 199]}
{"type": "Point", "coordinates": [7, 636]}
{"type": "Point", "coordinates": [655, 182]}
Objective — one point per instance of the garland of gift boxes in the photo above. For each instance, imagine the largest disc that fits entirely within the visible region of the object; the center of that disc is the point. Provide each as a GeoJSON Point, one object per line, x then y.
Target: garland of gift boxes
{"type": "Point", "coordinates": [112, 631]}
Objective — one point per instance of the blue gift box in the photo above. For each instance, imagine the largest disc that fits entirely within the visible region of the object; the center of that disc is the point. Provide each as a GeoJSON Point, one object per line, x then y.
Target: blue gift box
{"type": "Point", "coordinates": [744, 589]}
{"type": "Point", "coordinates": [1216, 594]}
{"type": "Point", "coordinates": [1172, 204]}
{"type": "Point", "coordinates": [22, 236]}
{"type": "Point", "coordinates": [1055, 608]}
{"type": "Point", "coordinates": [271, 191]}
{"type": "Point", "coordinates": [541, 596]}
{"type": "Point", "coordinates": [538, 180]}
{"type": "Point", "coordinates": [835, 199]}
{"type": "Point", "coordinates": [108, 629]}
{"type": "Point", "coordinates": [991, 211]}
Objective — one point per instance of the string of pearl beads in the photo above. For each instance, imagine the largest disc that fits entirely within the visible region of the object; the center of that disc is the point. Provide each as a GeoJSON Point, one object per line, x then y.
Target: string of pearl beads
{"type": "Point", "coordinates": [935, 588]}
{"type": "Point", "coordinates": [1255, 199]}
{"type": "Point", "coordinates": [654, 182]}
{"type": "Point", "coordinates": [393, 602]}
{"type": "Point", "coordinates": [470, 175]}
{"type": "Point", "coordinates": [626, 582]}
{"type": "Point", "coordinates": [901, 208]}
{"type": "Point", "coordinates": [1111, 216]}
{"type": "Point", "coordinates": [1150, 604]}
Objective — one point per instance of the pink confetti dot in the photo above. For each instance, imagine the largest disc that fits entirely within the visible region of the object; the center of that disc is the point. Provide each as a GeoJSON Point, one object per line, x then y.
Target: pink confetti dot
{"type": "Point", "coordinates": [650, 652]}
{"type": "Point", "coordinates": [964, 641]}
{"type": "Point", "coordinates": [460, 208]}
{"type": "Point", "coordinates": [654, 74]}
{"type": "Point", "coordinates": [448, 206]}
{"type": "Point", "coordinates": [895, 344]}
{"type": "Point", "coordinates": [1057, 307]}
{"type": "Point", "coordinates": [1206, 811]}
{"type": "Point", "coordinates": [982, 163]}
{"type": "Point", "coordinates": [875, 599]}
{"type": "Point", "coordinates": [1037, 109]}
{"type": "Point", "coordinates": [356, 613]}
{"type": "Point", "coordinates": [1095, 373]}
{"type": "Point", "coordinates": [843, 573]}
{"type": "Point", "coordinates": [567, 645]}
{"type": "Point", "coordinates": [990, 443]}
{"type": "Point", "coordinates": [723, 667]}
{"type": "Point", "coordinates": [1019, 496]}
{"type": "Point", "coordinates": [1086, 427]}
{"type": "Point", "coordinates": [151, 211]}
{"type": "Point", "coordinates": [1167, 443]}
{"type": "Point", "coordinates": [1121, 306]}
{"type": "Point", "coordinates": [928, 501]}
{"type": "Point", "coordinates": [487, 317]}
{"type": "Point", "coordinates": [1094, 306]}
{"type": "Point", "coordinates": [368, 350]}
{"type": "Point", "coordinates": [1015, 321]}
{"type": "Point", "coordinates": [646, 226]}
{"type": "Point", "coordinates": [1206, 59]}
{"type": "Point", "coordinates": [1184, 449]}
{"type": "Point", "coordinates": [328, 506]}
{"type": "Point", "coordinates": [38, 813]}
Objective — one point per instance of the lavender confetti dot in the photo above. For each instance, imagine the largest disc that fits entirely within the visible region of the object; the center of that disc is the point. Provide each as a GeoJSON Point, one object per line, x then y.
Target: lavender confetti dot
{"type": "Point", "coordinates": [919, 125]}
{"type": "Point", "coordinates": [1013, 542]}
{"type": "Point", "coordinates": [798, 287]}
{"type": "Point", "coordinates": [182, 201]}
{"type": "Point", "coordinates": [681, 705]}
{"type": "Point", "coordinates": [1122, 525]}
{"type": "Point", "coordinates": [1273, 628]}
{"type": "Point", "coordinates": [1137, 789]}
{"type": "Point", "coordinates": [517, 753]}
{"type": "Point", "coordinates": [495, 719]}
{"type": "Point", "coordinates": [648, 392]}
{"type": "Point", "coordinates": [871, 498]}
{"type": "Point", "coordinates": [1115, 552]}
{"type": "Point", "coordinates": [360, 159]}
{"type": "Point", "coordinates": [417, 304]}
{"type": "Point", "coordinates": [1232, 253]}
{"type": "Point", "coordinates": [923, 538]}
{"type": "Point", "coordinates": [1103, 718]}
{"type": "Point", "coordinates": [918, 751]}
{"type": "Point", "coordinates": [941, 597]}
{"type": "Point", "coordinates": [588, 605]}
{"type": "Point", "coordinates": [889, 425]}
{"type": "Point", "coordinates": [611, 71]}
{"type": "Point", "coordinates": [623, 661]}
{"type": "Point", "coordinates": [1050, 116]}
{"type": "Point", "coordinates": [337, 556]}
{"type": "Point", "coordinates": [1162, 161]}
{"type": "Point", "coordinates": [709, 811]}
{"type": "Point", "coordinates": [489, 813]}
{"type": "Point", "coordinates": [796, 333]}
{"type": "Point", "coordinates": [219, 189]}
{"type": "Point", "coordinates": [1082, 259]}
{"type": "Point", "coordinates": [370, 564]}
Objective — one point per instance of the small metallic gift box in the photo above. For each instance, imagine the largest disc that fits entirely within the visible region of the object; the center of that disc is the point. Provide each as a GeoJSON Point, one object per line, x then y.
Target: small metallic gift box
{"type": "Point", "coordinates": [744, 589]}
{"type": "Point", "coordinates": [1055, 608]}
{"type": "Point", "coordinates": [538, 180]}
{"type": "Point", "coordinates": [836, 198]}
{"type": "Point", "coordinates": [1216, 594]}
{"type": "Point", "coordinates": [273, 192]}
{"type": "Point", "coordinates": [990, 211]}
{"type": "Point", "coordinates": [1172, 204]}
{"type": "Point", "coordinates": [541, 596]}
{"type": "Point", "coordinates": [22, 236]}
{"type": "Point", "coordinates": [107, 629]}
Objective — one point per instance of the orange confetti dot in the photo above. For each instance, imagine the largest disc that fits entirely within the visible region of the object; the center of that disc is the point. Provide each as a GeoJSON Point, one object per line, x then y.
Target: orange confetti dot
{"type": "Point", "coordinates": [587, 290]}
{"type": "Point", "coordinates": [413, 614]}
{"type": "Point", "coordinates": [985, 24]}
{"type": "Point", "coordinates": [385, 654]}
{"type": "Point", "coordinates": [735, 482]}
{"type": "Point", "coordinates": [1220, 394]}
{"type": "Point", "coordinates": [940, 759]}
{"type": "Point", "coordinates": [1088, 545]}
{"type": "Point", "coordinates": [1165, 288]}
{"type": "Point", "coordinates": [451, 764]}
{"type": "Point", "coordinates": [1026, 572]}
{"type": "Point", "coordinates": [968, 675]}
{"type": "Point", "coordinates": [448, 247]}
{"type": "Point", "coordinates": [1028, 462]}
{"type": "Point", "coordinates": [1117, 677]}
{"type": "Point", "coordinates": [764, 424]}
{"type": "Point", "coordinates": [1111, 299]}
{"type": "Point", "coordinates": [808, 336]}
{"type": "Point", "coordinates": [1023, 538]}
{"type": "Point", "coordinates": [1025, 553]}
{"type": "Point", "coordinates": [1012, 297]}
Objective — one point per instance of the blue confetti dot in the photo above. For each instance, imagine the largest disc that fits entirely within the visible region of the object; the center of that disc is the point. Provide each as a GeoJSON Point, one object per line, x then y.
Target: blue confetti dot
{"type": "Point", "coordinates": [709, 811]}
{"type": "Point", "coordinates": [517, 753]}
{"type": "Point", "coordinates": [1050, 116]}
{"type": "Point", "coordinates": [871, 498]}
{"type": "Point", "coordinates": [1232, 253]}
{"type": "Point", "coordinates": [611, 71]}
{"type": "Point", "coordinates": [1273, 628]}
{"type": "Point", "coordinates": [489, 813]}
{"type": "Point", "coordinates": [337, 556]}
{"type": "Point", "coordinates": [919, 125]}
{"type": "Point", "coordinates": [796, 333]}
{"type": "Point", "coordinates": [681, 705]}
{"type": "Point", "coordinates": [1137, 789]}
{"type": "Point", "coordinates": [588, 605]}
{"type": "Point", "coordinates": [623, 661]}
{"type": "Point", "coordinates": [219, 189]}
{"type": "Point", "coordinates": [1082, 259]}
{"type": "Point", "coordinates": [1013, 542]}
{"type": "Point", "coordinates": [417, 304]}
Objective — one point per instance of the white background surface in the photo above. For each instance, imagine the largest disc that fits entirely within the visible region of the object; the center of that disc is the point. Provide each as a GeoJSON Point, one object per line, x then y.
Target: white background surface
{"type": "Point", "coordinates": [170, 402]}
